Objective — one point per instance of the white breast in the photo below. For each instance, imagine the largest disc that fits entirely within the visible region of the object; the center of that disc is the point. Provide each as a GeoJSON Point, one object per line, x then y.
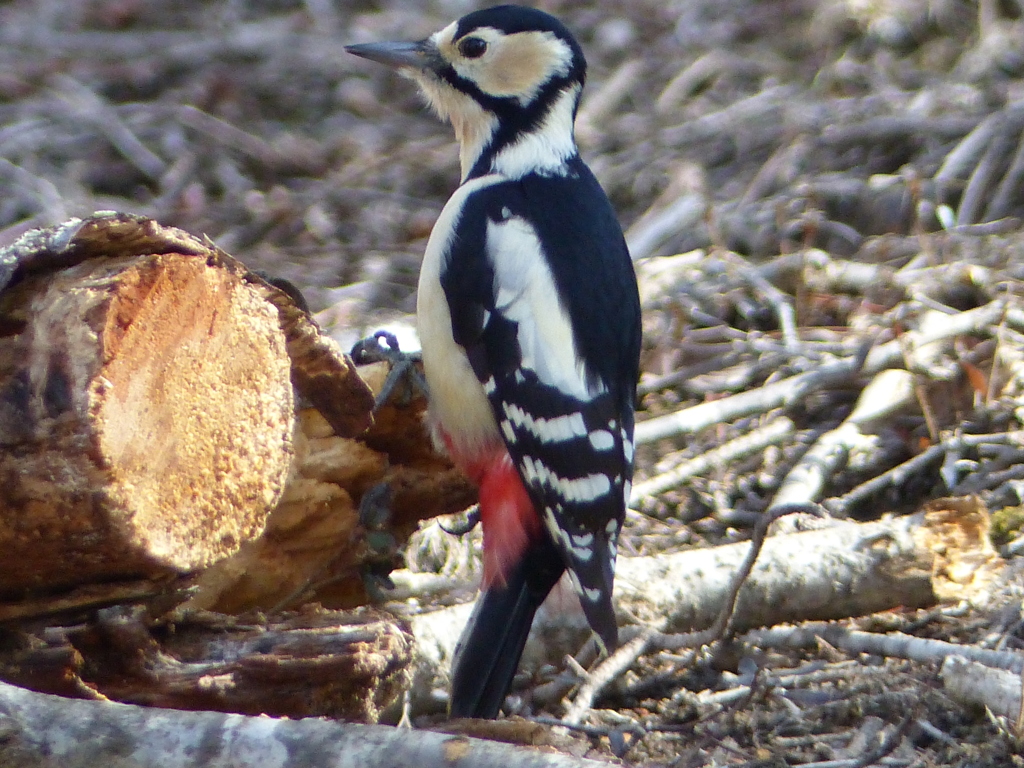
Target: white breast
{"type": "Point", "coordinates": [458, 403]}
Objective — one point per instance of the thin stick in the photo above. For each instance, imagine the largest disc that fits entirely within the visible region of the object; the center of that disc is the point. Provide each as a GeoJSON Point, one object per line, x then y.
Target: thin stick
{"type": "Point", "coordinates": [753, 442]}
{"type": "Point", "coordinates": [893, 644]}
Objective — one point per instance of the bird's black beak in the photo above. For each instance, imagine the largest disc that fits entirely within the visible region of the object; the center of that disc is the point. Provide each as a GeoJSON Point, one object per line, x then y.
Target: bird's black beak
{"type": "Point", "coordinates": [396, 54]}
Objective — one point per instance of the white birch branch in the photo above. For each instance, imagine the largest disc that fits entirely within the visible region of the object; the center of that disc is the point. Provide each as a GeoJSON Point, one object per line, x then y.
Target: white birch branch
{"type": "Point", "coordinates": [772, 433]}
{"type": "Point", "coordinates": [973, 683]}
{"type": "Point", "coordinates": [849, 569]}
{"type": "Point", "coordinates": [43, 731]}
{"type": "Point", "coordinates": [893, 644]}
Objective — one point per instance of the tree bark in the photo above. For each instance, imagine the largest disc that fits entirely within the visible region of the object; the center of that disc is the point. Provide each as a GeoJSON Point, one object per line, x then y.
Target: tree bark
{"type": "Point", "coordinates": [314, 663]}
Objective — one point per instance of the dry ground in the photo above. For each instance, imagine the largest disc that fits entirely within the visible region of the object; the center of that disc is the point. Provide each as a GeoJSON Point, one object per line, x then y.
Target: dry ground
{"type": "Point", "coordinates": [848, 169]}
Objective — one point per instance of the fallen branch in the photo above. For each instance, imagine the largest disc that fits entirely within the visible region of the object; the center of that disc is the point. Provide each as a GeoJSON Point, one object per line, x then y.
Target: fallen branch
{"type": "Point", "coordinates": [755, 441]}
{"type": "Point", "coordinates": [893, 644]}
{"type": "Point", "coordinates": [777, 394]}
{"type": "Point", "coordinates": [624, 657]}
{"type": "Point", "coordinates": [977, 684]}
{"type": "Point", "coordinates": [849, 569]}
{"type": "Point", "coordinates": [42, 731]}
{"type": "Point", "coordinates": [316, 663]}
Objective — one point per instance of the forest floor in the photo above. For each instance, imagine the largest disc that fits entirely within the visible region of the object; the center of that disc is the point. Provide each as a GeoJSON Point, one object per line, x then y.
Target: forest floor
{"type": "Point", "coordinates": [831, 177]}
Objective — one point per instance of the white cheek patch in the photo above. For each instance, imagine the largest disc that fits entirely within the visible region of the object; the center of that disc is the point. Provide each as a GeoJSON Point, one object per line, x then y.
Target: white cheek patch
{"type": "Point", "coordinates": [515, 66]}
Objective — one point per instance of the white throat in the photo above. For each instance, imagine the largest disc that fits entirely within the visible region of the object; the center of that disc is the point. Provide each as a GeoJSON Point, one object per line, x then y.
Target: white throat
{"type": "Point", "coordinates": [545, 149]}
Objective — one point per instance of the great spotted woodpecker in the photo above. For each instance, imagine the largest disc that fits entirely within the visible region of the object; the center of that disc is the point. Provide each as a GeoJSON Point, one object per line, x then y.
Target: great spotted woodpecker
{"type": "Point", "coordinates": [529, 322]}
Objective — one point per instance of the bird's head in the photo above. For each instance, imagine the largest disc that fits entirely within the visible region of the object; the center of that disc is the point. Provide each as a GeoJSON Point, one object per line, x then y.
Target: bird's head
{"type": "Point", "coordinates": [508, 79]}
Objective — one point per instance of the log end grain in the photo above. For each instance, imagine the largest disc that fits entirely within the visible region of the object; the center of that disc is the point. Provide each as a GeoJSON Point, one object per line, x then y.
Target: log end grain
{"type": "Point", "coordinates": [152, 419]}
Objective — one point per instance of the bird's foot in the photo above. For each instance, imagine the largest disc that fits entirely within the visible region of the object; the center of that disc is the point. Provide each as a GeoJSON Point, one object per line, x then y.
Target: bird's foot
{"type": "Point", "coordinates": [404, 375]}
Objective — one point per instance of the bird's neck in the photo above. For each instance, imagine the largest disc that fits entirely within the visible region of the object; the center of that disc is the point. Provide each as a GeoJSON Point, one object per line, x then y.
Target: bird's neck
{"type": "Point", "coordinates": [545, 146]}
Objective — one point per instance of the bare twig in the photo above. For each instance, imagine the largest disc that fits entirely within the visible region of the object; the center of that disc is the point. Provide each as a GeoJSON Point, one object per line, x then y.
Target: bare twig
{"type": "Point", "coordinates": [621, 660]}
{"type": "Point", "coordinates": [88, 106]}
{"type": "Point", "coordinates": [774, 395]}
{"type": "Point", "coordinates": [894, 644]}
{"type": "Point", "coordinates": [754, 441]}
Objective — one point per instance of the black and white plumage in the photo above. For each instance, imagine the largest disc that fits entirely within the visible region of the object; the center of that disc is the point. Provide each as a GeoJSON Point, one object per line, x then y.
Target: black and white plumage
{"type": "Point", "coordinates": [529, 322]}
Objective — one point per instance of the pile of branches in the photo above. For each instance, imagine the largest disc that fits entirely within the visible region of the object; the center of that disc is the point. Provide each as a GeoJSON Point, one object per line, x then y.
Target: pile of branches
{"type": "Point", "coordinates": [824, 201]}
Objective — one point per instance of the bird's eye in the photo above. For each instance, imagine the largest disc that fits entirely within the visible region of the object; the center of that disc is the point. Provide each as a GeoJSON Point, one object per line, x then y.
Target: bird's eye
{"type": "Point", "coordinates": [473, 47]}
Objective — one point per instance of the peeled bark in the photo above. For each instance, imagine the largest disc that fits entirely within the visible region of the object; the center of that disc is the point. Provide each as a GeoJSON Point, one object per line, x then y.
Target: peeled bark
{"type": "Point", "coordinates": [314, 663]}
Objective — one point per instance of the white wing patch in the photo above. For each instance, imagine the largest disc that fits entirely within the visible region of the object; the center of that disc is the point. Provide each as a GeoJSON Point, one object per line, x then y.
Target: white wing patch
{"type": "Point", "coordinates": [527, 296]}
{"type": "Point", "coordinates": [578, 489]}
{"type": "Point", "coordinates": [602, 440]}
{"type": "Point", "coordinates": [554, 430]}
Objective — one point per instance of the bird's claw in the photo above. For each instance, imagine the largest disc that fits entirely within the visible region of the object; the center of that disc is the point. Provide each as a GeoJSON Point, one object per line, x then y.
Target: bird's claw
{"type": "Point", "coordinates": [463, 522]}
{"type": "Point", "coordinates": [383, 346]}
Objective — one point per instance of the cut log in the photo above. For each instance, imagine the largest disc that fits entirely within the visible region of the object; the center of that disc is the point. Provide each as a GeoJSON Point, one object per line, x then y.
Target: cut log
{"type": "Point", "coordinates": [147, 420]}
{"type": "Point", "coordinates": [166, 413]}
{"type": "Point", "coordinates": [148, 389]}
{"type": "Point", "coordinates": [160, 403]}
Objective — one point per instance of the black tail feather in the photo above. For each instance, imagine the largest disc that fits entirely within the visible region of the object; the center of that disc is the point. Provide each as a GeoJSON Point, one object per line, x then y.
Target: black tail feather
{"type": "Point", "coordinates": [488, 652]}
